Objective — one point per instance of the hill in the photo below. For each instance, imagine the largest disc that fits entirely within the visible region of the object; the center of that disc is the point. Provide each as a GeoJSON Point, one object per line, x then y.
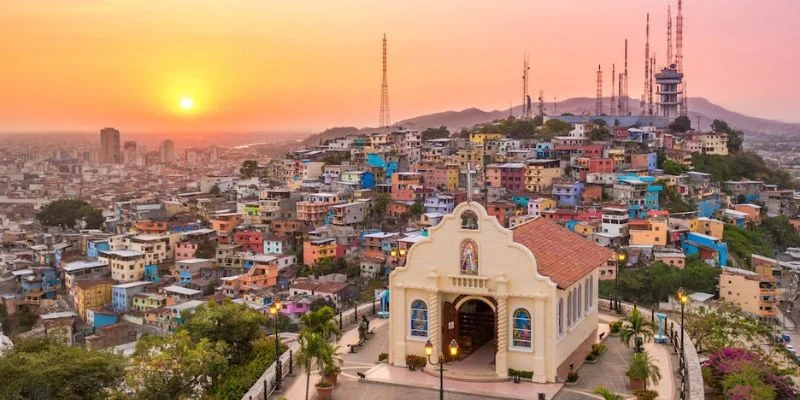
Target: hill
{"type": "Point", "coordinates": [456, 120]}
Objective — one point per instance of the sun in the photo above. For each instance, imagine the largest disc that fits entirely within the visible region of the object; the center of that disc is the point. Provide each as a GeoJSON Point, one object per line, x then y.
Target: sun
{"type": "Point", "coordinates": [187, 103]}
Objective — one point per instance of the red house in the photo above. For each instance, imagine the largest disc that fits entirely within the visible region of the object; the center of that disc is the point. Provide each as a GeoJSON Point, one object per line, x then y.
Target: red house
{"type": "Point", "coordinates": [252, 241]}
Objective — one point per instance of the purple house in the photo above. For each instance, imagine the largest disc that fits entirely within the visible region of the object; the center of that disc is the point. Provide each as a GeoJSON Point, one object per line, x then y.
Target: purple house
{"type": "Point", "coordinates": [296, 306]}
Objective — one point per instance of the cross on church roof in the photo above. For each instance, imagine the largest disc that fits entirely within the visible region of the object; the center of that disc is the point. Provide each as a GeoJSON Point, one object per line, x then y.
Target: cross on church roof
{"type": "Point", "coordinates": [469, 182]}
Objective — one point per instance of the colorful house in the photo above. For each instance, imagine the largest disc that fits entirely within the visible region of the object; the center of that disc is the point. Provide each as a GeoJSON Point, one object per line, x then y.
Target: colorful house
{"type": "Point", "coordinates": [316, 250]}
{"type": "Point", "coordinates": [92, 294]}
{"type": "Point", "coordinates": [122, 295]}
{"type": "Point", "coordinates": [710, 248]}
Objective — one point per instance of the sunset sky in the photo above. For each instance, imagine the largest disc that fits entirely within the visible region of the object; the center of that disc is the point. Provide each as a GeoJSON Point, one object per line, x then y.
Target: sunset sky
{"type": "Point", "coordinates": [267, 65]}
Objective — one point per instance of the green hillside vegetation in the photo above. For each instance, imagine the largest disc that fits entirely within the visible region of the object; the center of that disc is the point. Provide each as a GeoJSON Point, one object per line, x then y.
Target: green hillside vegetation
{"type": "Point", "coordinates": [772, 236]}
{"type": "Point", "coordinates": [747, 165]}
{"type": "Point", "coordinates": [657, 281]}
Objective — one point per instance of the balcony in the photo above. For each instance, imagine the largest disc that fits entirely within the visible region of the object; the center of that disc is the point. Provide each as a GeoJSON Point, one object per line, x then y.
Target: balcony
{"type": "Point", "coordinates": [469, 283]}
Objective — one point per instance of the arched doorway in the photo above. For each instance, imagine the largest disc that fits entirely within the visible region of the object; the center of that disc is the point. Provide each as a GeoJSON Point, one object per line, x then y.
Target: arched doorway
{"type": "Point", "coordinates": [476, 326]}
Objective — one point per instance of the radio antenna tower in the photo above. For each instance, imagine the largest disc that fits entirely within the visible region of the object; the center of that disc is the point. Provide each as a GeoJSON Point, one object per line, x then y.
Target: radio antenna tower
{"type": "Point", "coordinates": [541, 104]}
{"type": "Point", "coordinates": [679, 37]}
{"type": "Point", "coordinates": [669, 36]}
{"type": "Point", "coordinates": [646, 64]}
{"type": "Point", "coordinates": [620, 78]}
{"type": "Point", "coordinates": [526, 98]}
{"type": "Point", "coordinates": [384, 120]}
{"type": "Point", "coordinates": [625, 94]}
{"type": "Point", "coordinates": [650, 85]}
{"type": "Point", "coordinates": [598, 106]}
{"type": "Point", "coordinates": [613, 85]}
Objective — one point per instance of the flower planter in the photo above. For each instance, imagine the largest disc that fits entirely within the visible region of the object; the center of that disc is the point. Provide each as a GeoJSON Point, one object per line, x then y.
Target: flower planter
{"type": "Point", "coordinates": [332, 378]}
{"type": "Point", "coordinates": [324, 393]}
{"type": "Point", "coordinates": [596, 360]}
{"type": "Point", "coordinates": [636, 384]}
{"type": "Point", "coordinates": [573, 383]}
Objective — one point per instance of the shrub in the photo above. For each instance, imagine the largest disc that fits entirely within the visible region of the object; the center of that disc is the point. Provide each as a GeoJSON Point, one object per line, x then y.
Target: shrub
{"type": "Point", "coordinates": [383, 356]}
{"type": "Point", "coordinates": [615, 326]}
{"type": "Point", "coordinates": [415, 360]}
{"type": "Point", "coordinates": [521, 374]}
{"type": "Point", "coordinates": [642, 394]}
{"type": "Point", "coordinates": [597, 350]}
{"type": "Point", "coordinates": [573, 377]}
{"type": "Point", "coordinates": [324, 383]}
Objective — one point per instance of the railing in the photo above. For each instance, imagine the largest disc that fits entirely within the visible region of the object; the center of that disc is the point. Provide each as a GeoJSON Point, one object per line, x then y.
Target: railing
{"type": "Point", "coordinates": [468, 282]}
{"type": "Point", "coordinates": [691, 383]}
{"type": "Point", "coordinates": [266, 384]}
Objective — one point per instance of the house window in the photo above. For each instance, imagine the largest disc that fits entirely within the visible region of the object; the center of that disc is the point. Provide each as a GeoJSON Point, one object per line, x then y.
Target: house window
{"type": "Point", "coordinates": [419, 319]}
{"type": "Point", "coordinates": [560, 316]}
{"type": "Point", "coordinates": [578, 301]}
{"type": "Point", "coordinates": [521, 332]}
{"type": "Point", "coordinates": [569, 309]}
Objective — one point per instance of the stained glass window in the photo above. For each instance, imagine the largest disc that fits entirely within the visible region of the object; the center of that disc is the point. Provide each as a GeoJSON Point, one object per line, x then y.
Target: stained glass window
{"type": "Point", "coordinates": [521, 330]}
{"type": "Point", "coordinates": [419, 319]}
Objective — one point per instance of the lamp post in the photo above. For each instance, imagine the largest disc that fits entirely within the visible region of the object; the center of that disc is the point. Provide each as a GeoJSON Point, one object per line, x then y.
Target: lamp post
{"type": "Point", "coordinates": [683, 298]}
{"type": "Point", "coordinates": [275, 310]}
{"type": "Point", "coordinates": [453, 352]}
{"type": "Point", "coordinates": [620, 261]}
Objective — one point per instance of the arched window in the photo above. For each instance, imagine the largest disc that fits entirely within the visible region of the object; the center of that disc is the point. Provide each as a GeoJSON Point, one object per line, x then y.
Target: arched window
{"type": "Point", "coordinates": [522, 329]}
{"type": "Point", "coordinates": [569, 309]}
{"type": "Point", "coordinates": [560, 316]}
{"type": "Point", "coordinates": [579, 301]}
{"type": "Point", "coordinates": [591, 297]}
{"type": "Point", "coordinates": [419, 319]}
{"type": "Point", "coordinates": [587, 295]}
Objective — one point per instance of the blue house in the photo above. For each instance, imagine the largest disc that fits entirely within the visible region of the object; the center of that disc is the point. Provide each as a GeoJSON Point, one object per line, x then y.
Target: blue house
{"type": "Point", "coordinates": [521, 200]}
{"type": "Point", "coordinates": [544, 150]}
{"type": "Point", "coordinates": [94, 247]}
{"type": "Point", "coordinates": [151, 273]}
{"type": "Point", "coordinates": [707, 208]}
{"type": "Point", "coordinates": [708, 247]}
{"type": "Point", "coordinates": [43, 283]}
{"type": "Point", "coordinates": [651, 197]}
{"type": "Point", "coordinates": [122, 295]}
{"type": "Point", "coordinates": [99, 319]}
{"type": "Point", "coordinates": [568, 194]}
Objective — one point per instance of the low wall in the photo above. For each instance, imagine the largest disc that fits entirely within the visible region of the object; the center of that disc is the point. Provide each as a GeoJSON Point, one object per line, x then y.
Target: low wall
{"type": "Point", "coordinates": [265, 385]}
{"type": "Point", "coordinates": [694, 376]}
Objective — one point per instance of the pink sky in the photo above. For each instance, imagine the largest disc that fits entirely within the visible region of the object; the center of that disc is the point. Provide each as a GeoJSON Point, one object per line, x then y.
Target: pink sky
{"type": "Point", "coordinates": [256, 65]}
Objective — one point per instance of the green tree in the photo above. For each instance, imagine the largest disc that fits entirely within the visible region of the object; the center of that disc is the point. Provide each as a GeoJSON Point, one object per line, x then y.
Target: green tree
{"type": "Point", "coordinates": [600, 133]}
{"type": "Point", "coordinates": [380, 202]}
{"type": "Point", "coordinates": [726, 326]}
{"type": "Point", "coordinates": [320, 322]}
{"type": "Point", "coordinates": [607, 394]}
{"type": "Point", "coordinates": [721, 126]}
{"type": "Point", "coordinates": [313, 347]}
{"type": "Point", "coordinates": [672, 168]}
{"type": "Point", "coordinates": [175, 367]}
{"type": "Point", "coordinates": [65, 212]}
{"type": "Point", "coordinates": [47, 369]}
{"type": "Point", "coordinates": [417, 209]}
{"type": "Point", "coordinates": [637, 327]}
{"type": "Point", "coordinates": [744, 164]}
{"type": "Point", "coordinates": [321, 302]}
{"type": "Point", "coordinates": [235, 325]}
{"type": "Point", "coordinates": [206, 249]}
{"type": "Point", "coordinates": [234, 383]}
{"type": "Point", "coordinates": [435, 133]}
{"type": "Point", "coordinates": [249, 168]}
{"type": "Point", "coordinates": [681, 124]}
{"type": "Point", "coordinates": [554, 127]}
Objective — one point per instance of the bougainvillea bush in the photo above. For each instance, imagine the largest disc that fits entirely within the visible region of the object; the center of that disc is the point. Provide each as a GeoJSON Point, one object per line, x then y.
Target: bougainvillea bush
{"type": "Point", "coordinates": [740, 374]}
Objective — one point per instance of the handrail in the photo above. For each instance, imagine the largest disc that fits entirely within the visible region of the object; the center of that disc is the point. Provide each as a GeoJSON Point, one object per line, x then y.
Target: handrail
{"type": "Point", "coordinates": [266, 383]}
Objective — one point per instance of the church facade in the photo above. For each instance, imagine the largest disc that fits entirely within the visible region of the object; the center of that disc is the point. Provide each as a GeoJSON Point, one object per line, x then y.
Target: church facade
{"type": "Point", "coordinates": [526, 299]}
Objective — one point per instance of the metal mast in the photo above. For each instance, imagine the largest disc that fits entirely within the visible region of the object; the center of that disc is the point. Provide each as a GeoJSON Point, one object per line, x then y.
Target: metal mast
{"type": "Point", "coordinates": [620, 78]}
{"type": "Point", "coordinates": [598, 106]}
{"type": "Point", "coordinates": [384, 120]}
{"type": "Point", "coordinates": [613, 86]}
{"type": "Point", "coordinates": [526, 98]}
{"type": "Point", "coordinates": [650, 85]}
{"type": "Point", "coordinates": [646, 64]}
{"type": "Point", "coordinates": [625, 94]}
{"type": "Point", "coordinates": [669, 36]}
{"type": "Point", "coordinates": [679, 37]}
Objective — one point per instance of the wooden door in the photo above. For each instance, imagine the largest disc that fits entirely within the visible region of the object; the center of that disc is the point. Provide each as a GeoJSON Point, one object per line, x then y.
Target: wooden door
{"type": "Point", "coordinates": [449, 327]}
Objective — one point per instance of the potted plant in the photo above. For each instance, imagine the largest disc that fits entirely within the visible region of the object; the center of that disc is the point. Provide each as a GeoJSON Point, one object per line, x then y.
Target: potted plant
{"type": "Point", "coordinates": [411, 362]}
{"type": "Point", "coordinates": [324, 389]}
{"type": "Point", "coordinates": [641, 370]}
{"type": "Point", "coordinates": [637, 327]}
{"type": "Point", "coordinates": [383, 357]}
{"type": "Point", "coordinates": [313, 347]}
{"type": "Point", "coordinates": [572, 378]}
{"type": "Point", "coordinates": [332, 363]}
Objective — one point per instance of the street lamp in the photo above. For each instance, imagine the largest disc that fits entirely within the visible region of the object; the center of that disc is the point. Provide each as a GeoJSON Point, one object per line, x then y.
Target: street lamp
{"type": "Point", "coordinates": [620, 261]}
{"type": "Point", "coordinates": [275, 310]}
{"type": "Point", "coordinates": [683, 298]}
{"type": "Point", "coordinates": [453, 353]}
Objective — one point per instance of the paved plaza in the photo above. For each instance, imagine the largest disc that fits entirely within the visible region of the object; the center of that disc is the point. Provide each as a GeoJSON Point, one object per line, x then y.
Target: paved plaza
{"type": "Point", "coordinates": [388, 382]}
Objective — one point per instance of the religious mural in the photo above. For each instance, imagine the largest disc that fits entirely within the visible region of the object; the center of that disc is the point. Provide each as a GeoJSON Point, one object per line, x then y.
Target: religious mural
{"type": "Point", "coordinates": [469, 257]}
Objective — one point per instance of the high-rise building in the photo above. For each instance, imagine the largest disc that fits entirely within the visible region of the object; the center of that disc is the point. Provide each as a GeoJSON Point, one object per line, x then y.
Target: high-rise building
{"type": "Point", "coordinates": [213, 153]}
{"type": "Point", "coordinates": [109, 146]}
{"type": "Point", "coordinates": [167, 151]}
{"type": "Point", "coordinates": [129, 153]}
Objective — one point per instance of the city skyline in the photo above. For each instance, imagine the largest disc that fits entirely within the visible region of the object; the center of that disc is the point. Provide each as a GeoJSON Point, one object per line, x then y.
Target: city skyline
{"type": "Point", "coordinates": [256, 67]}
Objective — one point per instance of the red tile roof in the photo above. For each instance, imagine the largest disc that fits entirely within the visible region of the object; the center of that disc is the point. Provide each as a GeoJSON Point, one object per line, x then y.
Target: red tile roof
{"type": "Point", "coordinates": [562, 255]}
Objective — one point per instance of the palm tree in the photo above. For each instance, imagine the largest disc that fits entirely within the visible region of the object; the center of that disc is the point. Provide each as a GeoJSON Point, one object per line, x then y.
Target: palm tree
{"type": "Point", "coordinates": [642, 368]}
{"type": "Point", "coordinates": [634, 326]}
{"type": "Point", "coordinates": [313, 347]}
{"type": "Point", "coordinates": [320, 322]}
{"type": "Point", "coordinates": [607, 394]}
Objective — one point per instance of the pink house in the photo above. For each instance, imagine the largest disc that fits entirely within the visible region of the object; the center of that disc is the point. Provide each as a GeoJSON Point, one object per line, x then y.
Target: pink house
{"type": "Point", "coordinates": [295, 307]}
{"type": "Point", "coordinates": [185, 250]}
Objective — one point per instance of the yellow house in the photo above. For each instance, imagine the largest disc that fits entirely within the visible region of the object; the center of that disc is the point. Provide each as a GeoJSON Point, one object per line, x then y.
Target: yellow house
{"type": "Point", "coordinates": [650, 232]}
{"type": "Point", "coordinates": [93, 294]}
{"type": "Point", "coordinates": [708, 226]}
{"type": "Point", "coordinates": [524, 299]}
{"type": "Point", "coordinates": [539, 174]}
{"type": "Point", "coordinates": [755, 294]}
{"type": "Point", "coordinates": [481, 138]}
{"type": "Point", "coordinates": [586, 229]}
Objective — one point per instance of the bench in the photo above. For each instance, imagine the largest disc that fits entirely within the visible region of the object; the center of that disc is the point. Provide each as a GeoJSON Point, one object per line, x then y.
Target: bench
{"type": "Point", "coordinates": [354, 346]}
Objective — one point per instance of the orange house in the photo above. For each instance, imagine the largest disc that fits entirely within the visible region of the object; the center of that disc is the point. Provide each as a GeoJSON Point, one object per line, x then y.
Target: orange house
{"type": "Point", "coordinates": [403, 185]}
{"type": "Point", "coordinates": [146, 226]}
{"type": "Point", "coordinates": [316, 250]}
{"type": "Point", "coordinates": [224, 224]}
{"type": "Point", "coordinates": [260, 275]}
